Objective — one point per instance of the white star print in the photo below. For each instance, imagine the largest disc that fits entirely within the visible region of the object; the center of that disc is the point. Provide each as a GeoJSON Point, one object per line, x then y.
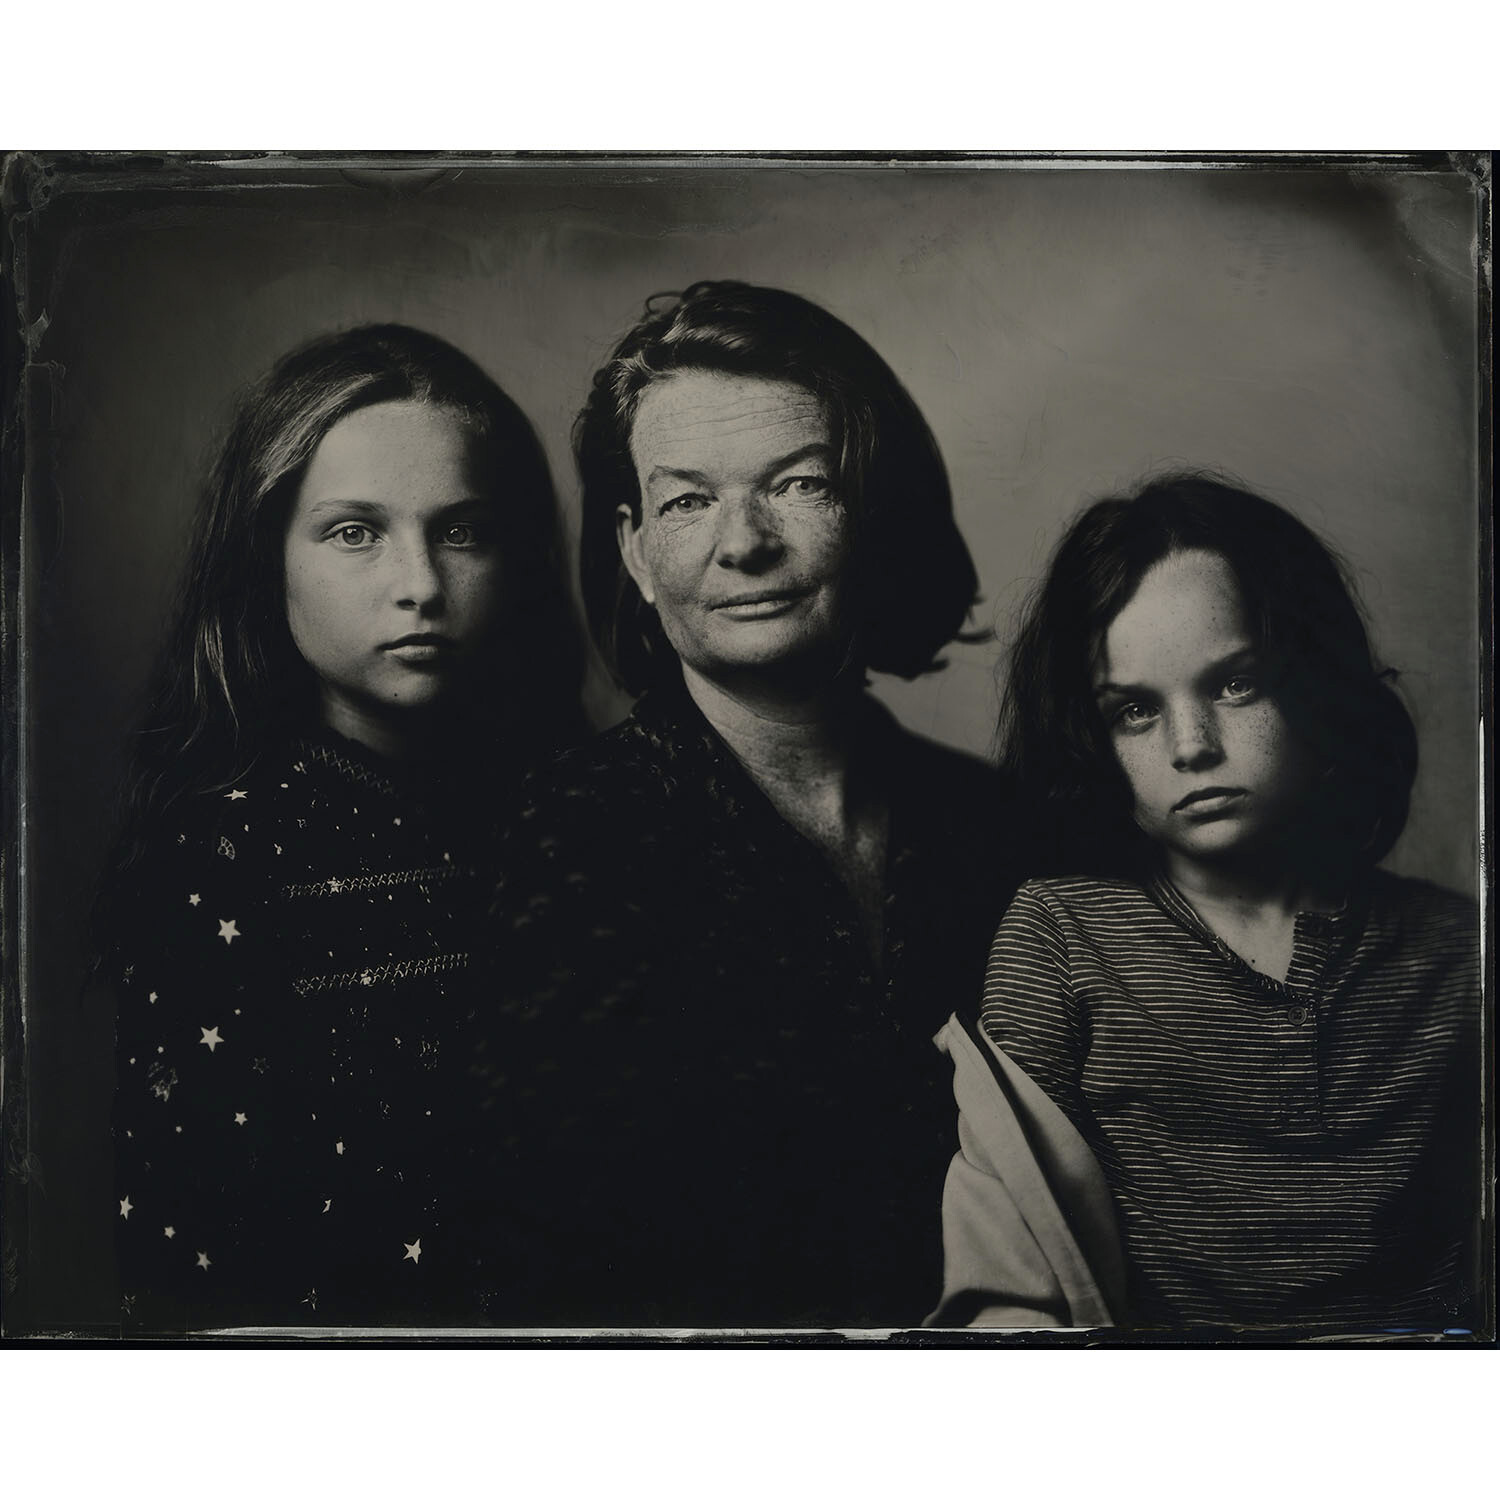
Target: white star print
{"type": "Point", "coordinates": [311, 1299]}
{"type": "Point", "coordinates": [203, 1261]}
{"type": "Point", "coordinates": [327, 1204]}
{"type": "Point", "coordinates": [194, 899]}
{"type": "Point", "coordinates": [152, 997]}
{"type": "Point", "coordinates": [228, 931]}
{"type": "Point", "coordinates": [413, 1252]}
{"type": "Point", "coordinates": [169, 1231]}
{"type": "Point", "coordinates": [125, 1206]}
{"type": "Point", "coordinates": [210, 1037]}
{"type": "Point", "coordinates": [236, 796]}
{"type": "Point", "coordinates": [339, 1147]}
{"type": "Point", "coordinates": [239, 1118]}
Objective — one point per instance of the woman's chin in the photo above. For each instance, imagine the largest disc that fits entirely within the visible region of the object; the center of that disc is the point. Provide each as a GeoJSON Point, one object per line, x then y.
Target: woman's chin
{"type": "Point", "coordinates": [774, 661]}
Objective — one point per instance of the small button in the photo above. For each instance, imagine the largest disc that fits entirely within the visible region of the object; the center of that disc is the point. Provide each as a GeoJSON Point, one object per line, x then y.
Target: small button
{"type": "Point", "coordinates": [1299, 1015]}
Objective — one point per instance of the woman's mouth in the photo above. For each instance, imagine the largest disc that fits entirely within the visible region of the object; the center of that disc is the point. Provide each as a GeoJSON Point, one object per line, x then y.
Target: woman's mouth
{"type": "Point", "coordinates": [760, 604]}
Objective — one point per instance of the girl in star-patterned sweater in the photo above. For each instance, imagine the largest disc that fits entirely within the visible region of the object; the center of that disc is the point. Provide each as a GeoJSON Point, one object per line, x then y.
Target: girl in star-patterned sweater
{"type": "Point", "coordinates": [340, 714]}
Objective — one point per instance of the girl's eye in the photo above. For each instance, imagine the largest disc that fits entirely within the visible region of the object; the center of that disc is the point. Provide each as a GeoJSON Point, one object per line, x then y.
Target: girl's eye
{"type": "Point", "coordinates": [1134, 716]}
{"type": "Point", "coordinates": [461, 534]}
{"type": "Point", "coordinates": [1239, 689]}
{"type": "Point", "coordinates": [804, 487]}
{"type": "Point", "coordinates": [354, 535]}
{"type": "Point", "coordinates": [685, 503]}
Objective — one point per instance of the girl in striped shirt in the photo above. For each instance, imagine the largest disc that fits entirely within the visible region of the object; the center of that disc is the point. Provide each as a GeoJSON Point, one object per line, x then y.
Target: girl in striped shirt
{"type": "Point", "coordinates": [1226, 1071]}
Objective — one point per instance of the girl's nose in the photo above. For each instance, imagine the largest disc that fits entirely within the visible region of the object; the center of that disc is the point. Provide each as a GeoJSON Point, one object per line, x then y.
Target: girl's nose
{"type": "Point", "coordinates": [418, 582]}
{"type": "Point", "coordinates": [748, 534]}
{"type": "Point", "coordinates": [1195, 739]}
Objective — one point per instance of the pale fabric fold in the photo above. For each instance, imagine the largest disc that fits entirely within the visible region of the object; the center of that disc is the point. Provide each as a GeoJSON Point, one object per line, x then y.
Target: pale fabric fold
{"type": "Point", "coordinates": [1029, 1232]}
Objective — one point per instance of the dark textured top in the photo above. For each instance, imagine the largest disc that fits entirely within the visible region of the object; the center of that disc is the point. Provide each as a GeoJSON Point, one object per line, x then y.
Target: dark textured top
{"type": "Point", "coordinates": [706, 1107]}
{"type": "Point", "coordinates": [1294, 1154]}
{"type": "Point", "coordinates": [290, 1008]}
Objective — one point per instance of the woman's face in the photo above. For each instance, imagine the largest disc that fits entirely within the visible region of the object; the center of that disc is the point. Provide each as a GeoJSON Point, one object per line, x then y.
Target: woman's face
{"type": "Point", "coordinates": [743, 540]}
{"type": "Point", "coordinates": [392, 563]}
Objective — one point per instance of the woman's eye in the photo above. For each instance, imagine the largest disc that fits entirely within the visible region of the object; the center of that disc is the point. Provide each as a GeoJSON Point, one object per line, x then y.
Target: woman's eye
{"type": "Point", "coordinates": [354, 535]}
{"type": "Point", "coordinates": [461, 534]}
{"type": "Point", "coordinates": [685, 503]}
{"type": "Point", "coordinates": [804, 487]}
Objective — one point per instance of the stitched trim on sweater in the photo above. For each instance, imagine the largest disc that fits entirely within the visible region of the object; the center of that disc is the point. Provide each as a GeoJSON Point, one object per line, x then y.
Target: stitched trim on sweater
{"type": "Point", "coordinates": [337, 885]}
{"type": "Point", "coordinates": [350, 768]}
{"type": "Point", "coordinates": [382, 973]}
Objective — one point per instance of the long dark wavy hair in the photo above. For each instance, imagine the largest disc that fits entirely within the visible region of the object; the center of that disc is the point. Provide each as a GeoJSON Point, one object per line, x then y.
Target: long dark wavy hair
{"type": "Point", "coordinates": [913, 580]}
{"type": "Point", "coordinates": [1311, 644]}
{"type": "Point", "coordinates": [229, 679]}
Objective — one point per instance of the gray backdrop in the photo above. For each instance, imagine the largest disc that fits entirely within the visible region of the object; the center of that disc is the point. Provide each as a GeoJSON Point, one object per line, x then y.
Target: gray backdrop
{"type": "Point", "coordinates": [1065, 330]}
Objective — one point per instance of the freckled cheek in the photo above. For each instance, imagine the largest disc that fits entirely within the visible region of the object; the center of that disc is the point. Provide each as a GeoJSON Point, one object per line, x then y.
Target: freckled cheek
{"type": "Point", "coordinates": [1142, 776]}
{"type": "Point", "coordinates": [827, 540]}
{"type": "Point", "coordinates": [476, 594]}
{"type": "Point", "coordinates": [1260, 742]}
{"type": "Point", "coordinates": [675, 563]}
{"type": "Point", "coordinates": [302, 595]}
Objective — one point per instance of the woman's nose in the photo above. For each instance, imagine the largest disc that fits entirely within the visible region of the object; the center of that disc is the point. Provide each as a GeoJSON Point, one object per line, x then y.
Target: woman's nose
{"type": "Point", "coordinates": [748, 534]}
{"type": "Point", "coordinates": [1195, 739]}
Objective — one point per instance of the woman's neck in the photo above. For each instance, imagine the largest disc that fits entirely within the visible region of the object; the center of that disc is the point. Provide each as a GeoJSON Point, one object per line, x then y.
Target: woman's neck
{"type": "Point", "coordinates": [793, 736]}
{"type": "Point", "coordinates": [801, 750]}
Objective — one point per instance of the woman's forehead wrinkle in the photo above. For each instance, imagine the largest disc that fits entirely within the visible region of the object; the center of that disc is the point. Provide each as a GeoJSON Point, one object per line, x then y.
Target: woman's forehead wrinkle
{"type": "Point", "coordinates": [679, 417]}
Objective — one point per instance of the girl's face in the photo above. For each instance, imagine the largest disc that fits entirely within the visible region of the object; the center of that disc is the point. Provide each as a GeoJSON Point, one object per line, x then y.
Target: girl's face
{"type": "Point", "coordinates": [1215, 771]}
{"type": "Point", "coordinates": [392, 564]}
{"type": "Point", "coordinates": [743, 542]}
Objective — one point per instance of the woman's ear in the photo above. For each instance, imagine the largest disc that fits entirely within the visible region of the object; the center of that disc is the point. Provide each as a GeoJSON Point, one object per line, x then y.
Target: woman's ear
{"type": "Point", "coordinates": [632, 553]}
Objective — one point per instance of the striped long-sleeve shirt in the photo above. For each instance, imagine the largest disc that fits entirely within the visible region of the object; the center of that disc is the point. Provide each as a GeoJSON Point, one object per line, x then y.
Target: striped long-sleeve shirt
{"type": "Point", "coordinates": [1293, 1154]}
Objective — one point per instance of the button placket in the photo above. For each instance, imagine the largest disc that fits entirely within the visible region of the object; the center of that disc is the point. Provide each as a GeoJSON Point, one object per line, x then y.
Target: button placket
{"type": "Point", "coordinates": [1297, 1025]}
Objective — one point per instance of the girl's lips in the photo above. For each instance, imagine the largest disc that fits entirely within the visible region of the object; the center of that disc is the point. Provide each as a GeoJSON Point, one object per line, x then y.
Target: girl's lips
{"type": "Point", "coordinates": [416, 649]}
{"type": "Point", "coordinates": [1209, 801]}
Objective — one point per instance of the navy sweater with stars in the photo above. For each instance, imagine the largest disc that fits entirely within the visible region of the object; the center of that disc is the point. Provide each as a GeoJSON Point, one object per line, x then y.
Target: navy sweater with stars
{"type": "Point", "coordinates": [289, 981]}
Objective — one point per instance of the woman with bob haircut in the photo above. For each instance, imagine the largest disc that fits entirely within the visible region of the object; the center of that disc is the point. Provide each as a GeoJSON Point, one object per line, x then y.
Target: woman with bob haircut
{"type": "Point", "coordinates": [372, 641]}
{"type": "Point", "coordinates": [1226, 1070]}
{"type": "Point", "coordinates": [727, 929]}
